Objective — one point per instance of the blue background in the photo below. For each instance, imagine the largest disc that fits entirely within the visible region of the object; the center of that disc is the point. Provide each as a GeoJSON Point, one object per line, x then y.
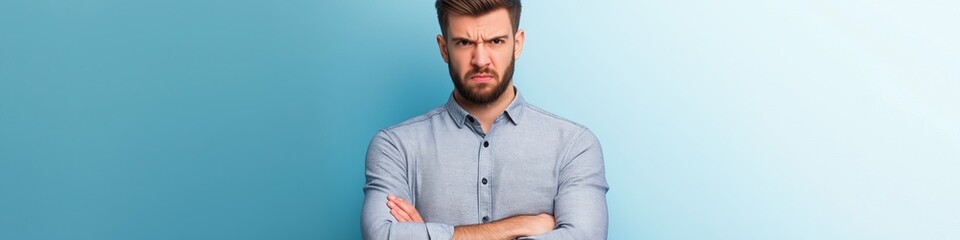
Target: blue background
{"type": "Point", "coordinates": [249, 119]}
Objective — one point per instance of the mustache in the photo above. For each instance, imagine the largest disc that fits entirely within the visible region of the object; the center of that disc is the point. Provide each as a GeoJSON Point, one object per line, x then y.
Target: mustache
{"type": "Point", "coordinates": [485, 71]}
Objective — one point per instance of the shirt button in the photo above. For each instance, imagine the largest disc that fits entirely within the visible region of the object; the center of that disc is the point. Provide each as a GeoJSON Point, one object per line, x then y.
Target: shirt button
{"type": "Point", "coordinates": [484, 181]}
{"type": "Point", "coordinates": [486, 144]}
{"type": "Point", "coordinates": [486, 219]}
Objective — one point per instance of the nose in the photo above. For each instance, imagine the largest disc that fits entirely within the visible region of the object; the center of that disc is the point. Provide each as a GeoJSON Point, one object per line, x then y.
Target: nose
{"type": "Point", "coordinates": [481, 56]}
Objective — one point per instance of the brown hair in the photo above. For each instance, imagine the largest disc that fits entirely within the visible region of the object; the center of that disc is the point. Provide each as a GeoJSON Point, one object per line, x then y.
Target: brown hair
{"type": "Point", "coordinates": [476, 8]}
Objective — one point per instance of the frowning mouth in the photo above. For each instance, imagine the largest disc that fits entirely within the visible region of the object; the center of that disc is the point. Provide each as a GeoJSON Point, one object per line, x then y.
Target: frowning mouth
{"type": "Point", "coordinates": [482, 78]}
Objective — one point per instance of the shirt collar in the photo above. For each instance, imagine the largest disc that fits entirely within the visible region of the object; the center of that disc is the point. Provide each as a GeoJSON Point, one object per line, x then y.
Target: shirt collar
{"type": "Point", "coordinates": [514, 111]}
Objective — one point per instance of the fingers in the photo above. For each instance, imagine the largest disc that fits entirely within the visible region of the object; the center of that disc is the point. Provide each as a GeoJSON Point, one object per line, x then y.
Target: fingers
{"type": "Point", "coordinates": [396, 211]}
{"type": "Point", "coordinates": [402, 210]}
{"type": "Point", "coordinates": [409, 210]}
{"type": "Point", "coordinates": [400, 215]}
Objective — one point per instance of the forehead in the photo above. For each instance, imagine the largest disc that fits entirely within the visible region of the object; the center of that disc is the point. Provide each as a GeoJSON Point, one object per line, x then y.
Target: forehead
{"type": "Point", "coordinates": [496, 22]}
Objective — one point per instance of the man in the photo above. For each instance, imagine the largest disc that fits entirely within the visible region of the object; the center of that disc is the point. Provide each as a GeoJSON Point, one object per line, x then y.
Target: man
{"type": "Point", "coordinates": [487, 165]}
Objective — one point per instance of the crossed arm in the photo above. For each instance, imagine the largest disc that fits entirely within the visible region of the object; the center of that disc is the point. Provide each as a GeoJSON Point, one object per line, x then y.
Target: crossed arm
{"type": "Point", "coordinates": [405, 222]}
{"type": "Point", "coordinates": [508, 228]}
{"type": "Point", "coordinates": [580, 210]}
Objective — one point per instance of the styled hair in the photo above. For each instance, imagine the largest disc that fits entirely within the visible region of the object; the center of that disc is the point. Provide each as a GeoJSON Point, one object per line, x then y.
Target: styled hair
{"type": "Point", "coordinates": [445, 8]}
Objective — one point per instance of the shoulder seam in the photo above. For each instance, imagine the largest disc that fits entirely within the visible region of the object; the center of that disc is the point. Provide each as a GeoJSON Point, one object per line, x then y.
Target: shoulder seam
{"type": "Point", "coordinates": [423, 117]}
{"type": "Point", "coordinates": [566, 152]}
{"type": "Point", "coordinates": [544, 112]}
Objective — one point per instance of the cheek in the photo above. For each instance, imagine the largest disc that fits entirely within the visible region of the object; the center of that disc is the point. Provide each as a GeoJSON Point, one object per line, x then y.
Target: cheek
{"type": "Point", "coordinates": [502, 60]}
{"type": "Point", "coordinates": [460, 64]}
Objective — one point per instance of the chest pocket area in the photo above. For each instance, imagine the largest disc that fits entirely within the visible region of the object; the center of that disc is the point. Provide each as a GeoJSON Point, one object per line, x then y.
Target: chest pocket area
{"type": "Point", "coordinates": [525, 186]}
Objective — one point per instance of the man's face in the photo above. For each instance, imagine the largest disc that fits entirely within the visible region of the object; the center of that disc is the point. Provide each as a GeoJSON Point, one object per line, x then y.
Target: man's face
{"type": "Point", "coordinates": [480, 52]}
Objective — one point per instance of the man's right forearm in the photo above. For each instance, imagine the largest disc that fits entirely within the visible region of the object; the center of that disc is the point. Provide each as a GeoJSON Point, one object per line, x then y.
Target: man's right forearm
{"type": "Point", "coordinates": [507, 228]}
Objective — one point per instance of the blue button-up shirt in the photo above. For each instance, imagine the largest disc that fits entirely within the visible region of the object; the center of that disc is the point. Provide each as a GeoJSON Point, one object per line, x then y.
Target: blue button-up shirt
{"type": "Point", "coordinates": [529, 162]}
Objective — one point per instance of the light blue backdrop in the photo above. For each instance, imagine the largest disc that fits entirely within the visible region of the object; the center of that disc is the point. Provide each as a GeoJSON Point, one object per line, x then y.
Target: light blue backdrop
{"type": "Point", "coordinates": [249, 119]}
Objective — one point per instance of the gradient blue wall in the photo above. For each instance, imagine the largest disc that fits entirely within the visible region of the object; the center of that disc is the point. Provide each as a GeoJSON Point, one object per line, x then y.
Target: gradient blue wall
{"type": "Point", "coordinates": [249, 119]}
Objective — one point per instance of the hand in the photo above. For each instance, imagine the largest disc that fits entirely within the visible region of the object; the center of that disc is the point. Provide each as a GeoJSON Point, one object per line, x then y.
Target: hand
{"type": "Point", "coordinates": [540, 224]}
{"type": "Point", "coordinates": [403, 211]}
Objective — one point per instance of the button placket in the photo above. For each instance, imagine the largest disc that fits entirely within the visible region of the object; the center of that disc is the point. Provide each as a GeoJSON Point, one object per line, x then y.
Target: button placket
{"type": "Point", "coordinates": [485, 165]}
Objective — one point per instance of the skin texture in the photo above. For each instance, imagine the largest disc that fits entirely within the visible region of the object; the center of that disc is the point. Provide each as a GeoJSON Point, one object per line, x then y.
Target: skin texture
{"type": "Point", "coordinates": [480, 52]}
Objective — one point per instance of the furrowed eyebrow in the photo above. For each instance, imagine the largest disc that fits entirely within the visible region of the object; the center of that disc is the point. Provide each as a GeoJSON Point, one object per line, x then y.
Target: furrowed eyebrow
{"type": "Point", "coordinates": [502, 37]}
{"type": "Point", "coordinates": [457, 39]}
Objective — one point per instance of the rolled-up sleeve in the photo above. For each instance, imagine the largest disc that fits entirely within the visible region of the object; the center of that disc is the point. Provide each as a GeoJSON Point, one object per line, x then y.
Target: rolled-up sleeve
{"type": "Point", "coordinates": [580, 207]}
{"type": "Point", "coordinates": [386, 174]}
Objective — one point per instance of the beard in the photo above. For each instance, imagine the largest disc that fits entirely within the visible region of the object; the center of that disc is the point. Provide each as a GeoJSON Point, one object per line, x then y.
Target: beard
{"type": "Point", "coordinates": [475, 94]}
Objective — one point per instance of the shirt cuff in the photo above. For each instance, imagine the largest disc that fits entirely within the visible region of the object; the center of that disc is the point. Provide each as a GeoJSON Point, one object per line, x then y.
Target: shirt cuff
{"type": "Point", "coordinates": [439, 231]}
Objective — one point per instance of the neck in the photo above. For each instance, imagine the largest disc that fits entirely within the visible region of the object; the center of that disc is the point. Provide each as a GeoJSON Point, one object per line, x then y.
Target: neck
{"type": "Point", "coordinates": [487, 113]}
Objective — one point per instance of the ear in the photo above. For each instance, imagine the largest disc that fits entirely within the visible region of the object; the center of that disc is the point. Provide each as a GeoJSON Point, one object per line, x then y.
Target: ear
{"type": "Point", "coordinates": [442, 44]}
{"type": "Point", "coordinates": [518, 43]}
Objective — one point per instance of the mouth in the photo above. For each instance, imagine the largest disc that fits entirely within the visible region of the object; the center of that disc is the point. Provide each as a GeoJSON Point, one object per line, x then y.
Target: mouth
{"type": "Point", "coordinates": [481, 78]}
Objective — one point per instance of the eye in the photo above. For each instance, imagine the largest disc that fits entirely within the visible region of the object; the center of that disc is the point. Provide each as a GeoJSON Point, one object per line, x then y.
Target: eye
{"type": "Point", "coordinates": [462, 42]}
{"type": "Point", "coordinates": [497, 41]}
